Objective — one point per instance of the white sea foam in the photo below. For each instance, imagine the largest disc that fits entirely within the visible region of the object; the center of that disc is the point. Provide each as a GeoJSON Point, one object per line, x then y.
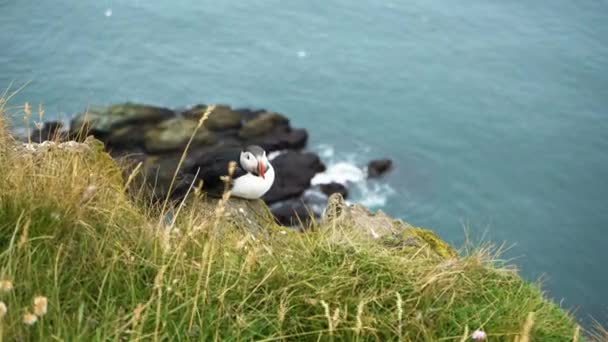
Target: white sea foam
{"type": "Point", "coordinates": [341, 172]}
{"type": "Point", "coordinates": [302, 54]}
{"type": "Point", "coordinates": [373, 195]}
{"type": "Point", "coordinates": [108, 12]}
{"type": "Point", "coordinates": [342, 168]}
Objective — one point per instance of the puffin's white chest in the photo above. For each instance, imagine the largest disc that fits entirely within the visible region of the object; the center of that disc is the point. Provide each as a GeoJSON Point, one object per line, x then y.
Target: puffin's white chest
{"type": "Point", "coordinates": [253, 187]}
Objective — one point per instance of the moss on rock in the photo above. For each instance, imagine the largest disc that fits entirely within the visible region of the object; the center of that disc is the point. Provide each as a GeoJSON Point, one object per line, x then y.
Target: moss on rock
{"type": "Point", "coordinates": [434, 241]}
{"type": "Point", "coordinates": [104, 119]}
{"type": "Point", "coordinates": [173, 134]}
{"type": "Point", "coordinates": [222, 118]}
{"type": "Point", "coordinates": [262, 124]}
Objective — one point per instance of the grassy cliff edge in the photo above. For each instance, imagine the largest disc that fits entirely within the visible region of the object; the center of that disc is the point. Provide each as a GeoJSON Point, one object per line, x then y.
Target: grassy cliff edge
{"type": "Point", "coordinates": [107, 265]}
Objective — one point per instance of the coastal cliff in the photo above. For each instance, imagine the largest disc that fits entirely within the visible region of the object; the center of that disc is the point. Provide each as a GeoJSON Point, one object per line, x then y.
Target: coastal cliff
{"type": "Point", "coordinates": [109, 264]}
{"type": "Point", "coordinates": [157, 137]}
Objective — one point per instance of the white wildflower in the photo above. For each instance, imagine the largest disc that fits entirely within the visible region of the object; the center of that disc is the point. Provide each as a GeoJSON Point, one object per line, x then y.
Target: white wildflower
{"type": "Point", "coordinates": [29, 318]}
{"type": "Point", "coordinates": [478, 335]}
{"type": "Point", "coordinates": [40, 305]}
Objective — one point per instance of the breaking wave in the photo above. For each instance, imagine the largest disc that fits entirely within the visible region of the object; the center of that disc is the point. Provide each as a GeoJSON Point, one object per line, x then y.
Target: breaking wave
{"type": "Point", "coordinates": [349, 169]}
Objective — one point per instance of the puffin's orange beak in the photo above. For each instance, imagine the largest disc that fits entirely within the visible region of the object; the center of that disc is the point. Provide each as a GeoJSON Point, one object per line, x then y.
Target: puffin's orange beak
{"type": "Point", "coordinates": [261, 169]}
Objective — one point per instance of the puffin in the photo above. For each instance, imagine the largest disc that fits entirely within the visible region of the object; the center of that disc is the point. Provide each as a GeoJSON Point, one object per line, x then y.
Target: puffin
{"type": "Point", "coordinates": [253, 174]}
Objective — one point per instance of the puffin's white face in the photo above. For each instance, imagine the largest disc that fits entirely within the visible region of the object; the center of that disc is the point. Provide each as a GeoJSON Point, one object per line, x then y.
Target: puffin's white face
{"type": "Point", "coordinates": [255, 164]}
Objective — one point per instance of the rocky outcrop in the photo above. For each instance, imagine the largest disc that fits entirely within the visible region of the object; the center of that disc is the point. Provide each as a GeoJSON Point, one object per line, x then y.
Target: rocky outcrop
{"type": "Point", "coordinates": [334, 188]}
{"type": "Point", "coordinates": [294, 170]}
{"type": "Point", "coordinates": [263, 124]}
{"type": "Point", "coordinates": [293, 212]}
{"type": "Point", "coordinates": [222, 117]}
{"type": "Point", "coordinates": [343, 222]}
{"type": "Point", "coordinates": [378, 167]}
{"type": "Point", "coordinates": [107, 119]}
{"type": "Point", "coordinates": [173, 134]}
{"type": "Point", "coordinates": [156, 137]}
{"type": "Point", "coordinates": [389, 231]}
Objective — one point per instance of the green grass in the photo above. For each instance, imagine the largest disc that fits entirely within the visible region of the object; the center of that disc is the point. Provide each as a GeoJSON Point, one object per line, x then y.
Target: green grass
{"type": "Point", "coordinates": [113, 269]}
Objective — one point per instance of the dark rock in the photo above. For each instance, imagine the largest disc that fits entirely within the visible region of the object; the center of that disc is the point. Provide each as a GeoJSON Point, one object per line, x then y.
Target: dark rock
{"type": "Point", "coordinates": [262, 124]}
{"type": "Point", "coordinates": [157, 136]}
{"type": "Point", "coordinates": [293, 170]}
{"type": "Point", "coordinates": [292, 213]}
{"type": "Point", "coordinates": [174, 134]}
{"type": "Point", "coordinates": [51, 130]}
{"type": "Point", "coordinates": [157, 173]}
{"type": "Point", "coordinates": [334, 188]}
{"type": "Point", "coordinates": [297, 139]}
{"type": "Point", "coordinates": [282, 138]}
{"type": "Point", "coordinates": [122, 138]}
{"type": "Point", "coordinates": [376, 168]}
{"type": "Point", "coordinates": [196, 156]}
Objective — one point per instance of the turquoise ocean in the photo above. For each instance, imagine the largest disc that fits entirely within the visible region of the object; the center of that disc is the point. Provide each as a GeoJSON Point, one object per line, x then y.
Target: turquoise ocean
{"type": "Point", "coordinates": [495, 112]}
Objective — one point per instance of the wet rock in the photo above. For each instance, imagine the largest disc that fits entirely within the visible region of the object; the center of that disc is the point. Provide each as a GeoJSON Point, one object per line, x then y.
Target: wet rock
{"type": "Point", "coordinates": [378, 167]}
{"type": "Point", "coordinates": [262, 124]}
{"type": "Point", "coordinates": [174, 134]}
{"type": "Point", "coordinates": [334, 188]}
{"type": "Point", "coordinates": [294, 170]}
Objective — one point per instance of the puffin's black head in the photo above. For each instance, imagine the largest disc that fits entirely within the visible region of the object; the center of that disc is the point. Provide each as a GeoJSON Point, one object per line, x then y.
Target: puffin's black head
{"type": "Point", "coordinates": [253, 159]}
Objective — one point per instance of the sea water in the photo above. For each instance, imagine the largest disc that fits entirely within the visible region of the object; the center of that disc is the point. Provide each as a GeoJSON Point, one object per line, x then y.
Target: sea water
{"type": "Point", "coordinates": [495, 112]}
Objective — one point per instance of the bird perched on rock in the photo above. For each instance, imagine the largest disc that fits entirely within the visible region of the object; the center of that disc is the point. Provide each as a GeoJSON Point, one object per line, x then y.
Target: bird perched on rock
{"type": "Point", "coordinates": [252, 177]}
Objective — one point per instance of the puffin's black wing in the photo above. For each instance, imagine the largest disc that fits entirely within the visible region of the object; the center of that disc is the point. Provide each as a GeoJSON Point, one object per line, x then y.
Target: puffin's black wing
{"type": "Point", "coordinates": [212, 166]}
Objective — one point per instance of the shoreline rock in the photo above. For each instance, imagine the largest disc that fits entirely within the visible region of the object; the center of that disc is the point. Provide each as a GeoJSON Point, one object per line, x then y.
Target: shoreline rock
{"type": "Point", "coordinates": [378, 167]}
{"type": "Point", "coordinates": [157, 136]}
